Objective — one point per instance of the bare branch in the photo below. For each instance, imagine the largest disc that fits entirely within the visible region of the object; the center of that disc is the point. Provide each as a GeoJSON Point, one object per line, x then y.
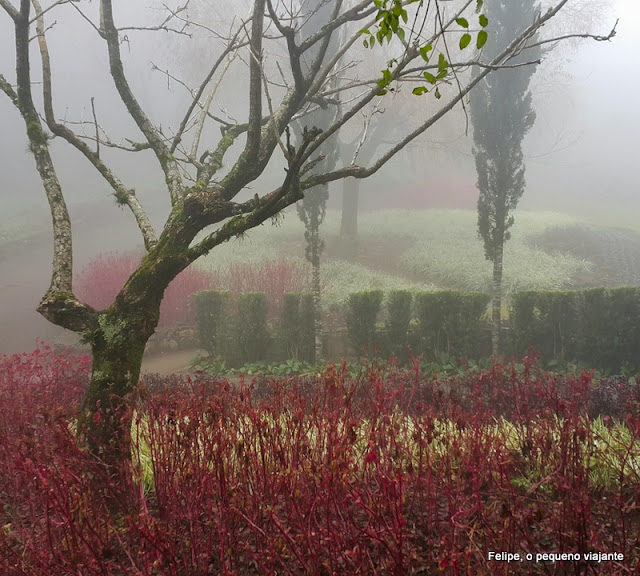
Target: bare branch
{"type": "Point", "coordinates": [162, 152]}
{"type": "Point", "coordinates": [95, 121]}
{"type": "Point", "coordinates": [10, 9]}
{"type": "Point", "coordinates": [58, 3]}
{"type": "Point", "coordinates": [360, 172]}
{"type": "Point", "coordinates": [294, 54]}
{"type": "Point", "coordinates": [595, 37]}
{"type": "Point", "coordinates": [230, 48]}
{"type": "Point", "coordinates": [365, 131]}
{"type": "Point", "coordinates": [62, 265]}
{"type": "Point", "coordinates": [9, 91]}
{"type": "Point", "coordinates": [98, 30]}
{"type": "Point", "coordinates": [358, 12]}
{"type": "Point", "coordinates": [261, 208]}
{"type": "Point", "coordinates": [255, 83]}
{"type": "Point", "coordinates": [205, 112]}
{"type": "Point", "coordinates": [122, 194]}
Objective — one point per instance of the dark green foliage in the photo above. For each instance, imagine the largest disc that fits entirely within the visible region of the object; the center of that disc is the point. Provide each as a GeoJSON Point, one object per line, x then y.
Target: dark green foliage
{"type": "Point", "coordinates": [548, 321]}
{"type": "Point", "coordinates": [362, 314]}
{"type": "Point", "coordinates": [449, 323]}
{"type": "Point", "coordinates": [212, 320]}
{"type": "Point", "coordinates": [297, 327]}
{"type": "Point", "coordinates": [502, 114]}
{"type": "Point", "coordinates": [597, 327]}
{"type": "Point", "coordinates": [397, 323]}
{"type": "Point", "coordinates": [251, 336]}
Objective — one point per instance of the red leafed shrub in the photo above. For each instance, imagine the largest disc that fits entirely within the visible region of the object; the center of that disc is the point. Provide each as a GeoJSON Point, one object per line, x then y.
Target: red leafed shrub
{"type": "Point", "coordinates": [102, 279]}
{"type": "Point", "coordinates": [274, 277]}
{"type": "Point", "coordinates": [37, 383]}
{"type": "Point", "coordinates": [388, 474]}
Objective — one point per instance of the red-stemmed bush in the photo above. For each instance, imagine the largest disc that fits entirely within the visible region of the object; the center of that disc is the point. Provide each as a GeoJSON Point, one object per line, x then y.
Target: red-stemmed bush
{"type": "Point", "coordinates": [273, 277]}
{"type": "Point", "coordinates": [101, 280]}
{"type": "Point", "coordinates": [390, 473]}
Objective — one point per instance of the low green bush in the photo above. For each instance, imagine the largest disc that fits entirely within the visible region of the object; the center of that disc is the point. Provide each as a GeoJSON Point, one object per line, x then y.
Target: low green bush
{"type": "Point", "coordinates": [397, 323]}
{"type": "Point", "coordinates": [251, 336]}
{"type": "Point", "coordinates": [297, 327]}
{"type": "Point", "coordinates": [211, 310]}
{"type": "Point", "coordinates": [449, 323]}
{"type": "Point", "coordinates": [361, 318]}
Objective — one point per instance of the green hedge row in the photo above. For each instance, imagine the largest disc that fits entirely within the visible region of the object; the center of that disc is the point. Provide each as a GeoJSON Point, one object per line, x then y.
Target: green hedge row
{"type": "Point", "coordinates": [435, 324]}
{"type": "Point", "coordinates": [236, 330]}
{"type": "Point", "coordinates": [598, 327]}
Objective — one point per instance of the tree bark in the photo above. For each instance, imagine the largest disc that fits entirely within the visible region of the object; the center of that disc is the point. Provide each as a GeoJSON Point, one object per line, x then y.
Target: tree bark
{"type": "Point", "coordinates": [107, 409]}
{"type": "Point", "coordinates": [317, 303]}
{"type": "Point", "coordinates": [496, 308]}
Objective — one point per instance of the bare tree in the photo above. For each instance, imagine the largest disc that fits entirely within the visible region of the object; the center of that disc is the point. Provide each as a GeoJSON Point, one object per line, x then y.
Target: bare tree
{"type": "Point", "coordinates": [201, 190]}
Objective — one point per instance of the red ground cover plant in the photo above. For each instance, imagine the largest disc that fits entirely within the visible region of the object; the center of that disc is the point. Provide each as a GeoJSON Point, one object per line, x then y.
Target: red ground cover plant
{"type": "Point", "coordinates": [100, 281]}
{"type": "Point", "coordinates": [392, 473]}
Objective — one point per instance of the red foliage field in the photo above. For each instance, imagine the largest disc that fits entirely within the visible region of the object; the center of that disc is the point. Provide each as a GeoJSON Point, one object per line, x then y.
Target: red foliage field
{"type": "Point", "coordinates": [393, 473]}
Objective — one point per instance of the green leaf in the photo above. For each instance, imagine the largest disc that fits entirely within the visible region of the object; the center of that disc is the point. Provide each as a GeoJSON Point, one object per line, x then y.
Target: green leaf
{"type": "Point", "coordinates": [441, 75]}
{"type": "Point", "coordinates": [364, 31]}
{"type": "Point", "coordinates": [429, 78]}
{"type": "Point", "coordinates": [479, 4]}
{"type": "Point", "coordinates": [424, 52]}
{"type": "Point", "coordinates": [365, 43]}
{"type": "Point", "coordinates": [381, 93]}
{"type": "Point", "coordinates": [442, 63]}
{"type": "Point", "coordinates": [465, 41]}
{"type": "Point", "coordinates": [400, 34]}
{"type": "Point", "coordinates": [420, 90]}
{"type": "Point", "coordinates": [484, 21]}
{"type": "Point", "coordinates": [437, 93]}
{"type": "Point", "coordinates": [482, 39]}
{"type": "Point", "coordinates": [462, 22]}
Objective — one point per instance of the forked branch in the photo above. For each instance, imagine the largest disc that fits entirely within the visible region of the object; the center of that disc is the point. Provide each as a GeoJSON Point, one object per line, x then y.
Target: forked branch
{"type": "Point", "coordinates": [153, 136]}
{"type": "Point", "coordinates": [123, 195]}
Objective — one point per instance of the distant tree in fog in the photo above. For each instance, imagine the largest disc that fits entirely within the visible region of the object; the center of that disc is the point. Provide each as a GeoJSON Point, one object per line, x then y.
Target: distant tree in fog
{"type": "Point", "coordinates": [502, 114]}
{"type": "Point", "coordinates": [312, 208]}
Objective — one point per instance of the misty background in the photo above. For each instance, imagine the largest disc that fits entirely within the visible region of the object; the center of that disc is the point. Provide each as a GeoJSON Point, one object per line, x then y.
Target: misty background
{"type": "Point", "coordinates": [581, 155]}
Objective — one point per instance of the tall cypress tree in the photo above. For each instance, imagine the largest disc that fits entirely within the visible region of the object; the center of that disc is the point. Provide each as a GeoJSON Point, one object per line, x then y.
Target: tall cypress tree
{"type": "Point", "coordinates": [312, 208]}
{"type": "Point", "coordinates": [502, 114]}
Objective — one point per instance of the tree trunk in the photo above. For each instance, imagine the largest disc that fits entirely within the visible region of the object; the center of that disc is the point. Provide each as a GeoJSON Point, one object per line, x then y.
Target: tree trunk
{"type": "Point", "coordinates": [317, 300]}
{"type": "Point", "coordinates": [496, 299]}
{"type": "Point", "coordinates": [106, 413]}
{"type": "Point", "coordinates": [349, 221]}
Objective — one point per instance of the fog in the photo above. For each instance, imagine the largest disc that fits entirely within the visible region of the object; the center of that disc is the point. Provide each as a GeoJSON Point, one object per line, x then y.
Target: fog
{"type": "Point", "coordinates": [581, 155]}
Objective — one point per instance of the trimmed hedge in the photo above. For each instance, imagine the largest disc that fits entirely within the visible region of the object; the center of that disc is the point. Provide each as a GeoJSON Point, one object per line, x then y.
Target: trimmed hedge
{"type": "Point", "coordinates": [597, 327]}
{"type": "Point", "coordinates": [361, 318]}
{"type": "Point", "coordinates": [251, 335]}
{"type": "Point", "coordinates": [449, 323]}
{"type": "Point", "coordinates": [398, 321]}
{"type": "Point", "coordinates": [211, 309]}
{"type": "Point", "coordinates": [297, 326]}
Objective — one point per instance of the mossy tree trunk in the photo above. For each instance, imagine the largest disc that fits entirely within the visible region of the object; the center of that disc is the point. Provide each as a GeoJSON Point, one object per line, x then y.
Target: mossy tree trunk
{"type": "Point", "coordinates": [106, 412]}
